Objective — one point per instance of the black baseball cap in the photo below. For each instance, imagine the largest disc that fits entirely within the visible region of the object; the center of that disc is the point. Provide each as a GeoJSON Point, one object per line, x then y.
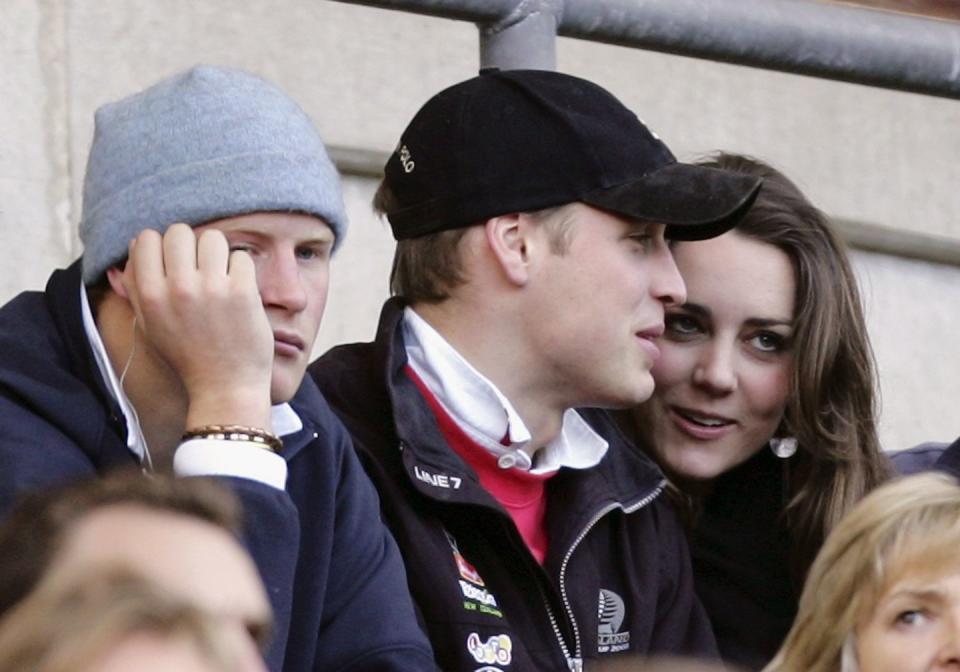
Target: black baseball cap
{"type": "Point", "coordinates": [524, 140]}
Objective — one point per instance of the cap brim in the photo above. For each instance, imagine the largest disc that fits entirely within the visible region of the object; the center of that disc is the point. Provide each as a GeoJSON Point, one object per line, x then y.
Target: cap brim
{"type": "Point", "coordinates": [694, 202]}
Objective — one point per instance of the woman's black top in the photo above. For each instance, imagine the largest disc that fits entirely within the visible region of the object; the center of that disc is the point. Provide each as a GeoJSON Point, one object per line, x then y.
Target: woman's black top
{"type": "Point", "coordinates": [741, 561]}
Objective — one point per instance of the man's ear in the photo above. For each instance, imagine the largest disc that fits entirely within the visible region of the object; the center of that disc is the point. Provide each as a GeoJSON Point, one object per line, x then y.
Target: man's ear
{"type": "Point", "coordinates": [115, 278]}
{"type": "Point", "coordinates": [509, 239]}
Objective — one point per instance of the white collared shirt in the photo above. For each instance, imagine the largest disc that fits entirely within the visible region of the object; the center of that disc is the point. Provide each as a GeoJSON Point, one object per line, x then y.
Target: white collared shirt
{"type": "Point", "coordinates": [196, 457]}
{"type": "Point", "coordinates": [485, 414]}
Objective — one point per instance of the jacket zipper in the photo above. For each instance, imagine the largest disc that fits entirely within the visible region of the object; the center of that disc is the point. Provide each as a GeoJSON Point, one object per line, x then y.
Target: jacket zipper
{"type": "Point", "coordinates": [576, 662]}
{"type": "Point", "coordinates": [556, 631]}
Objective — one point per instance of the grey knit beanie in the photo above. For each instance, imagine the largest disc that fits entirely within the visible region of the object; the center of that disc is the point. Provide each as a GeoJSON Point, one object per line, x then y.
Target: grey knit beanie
{"type": "Point", "coordinates": [205, 144]}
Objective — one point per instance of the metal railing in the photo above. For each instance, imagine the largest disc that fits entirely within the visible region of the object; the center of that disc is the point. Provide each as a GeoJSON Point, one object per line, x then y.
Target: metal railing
{"type": "Point", "coordinates": [807, 37]}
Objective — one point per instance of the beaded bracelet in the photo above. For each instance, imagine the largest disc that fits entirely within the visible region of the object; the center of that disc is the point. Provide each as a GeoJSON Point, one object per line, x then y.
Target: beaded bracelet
{"type": "Point", "coordinates": [261, 437]}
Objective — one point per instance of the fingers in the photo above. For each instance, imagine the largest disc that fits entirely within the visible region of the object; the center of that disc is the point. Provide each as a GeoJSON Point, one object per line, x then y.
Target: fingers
{"type": "Point", "coordinates": [145, 263]}
{"type": "Point", "coordinates": [179, 251]}
{"type": "Point", "coordinates": [216, 262]}
{"type": "Point", "coordinates": [200, 311]}
{"type": "Point", "coordinates": [243, 271]}
{"type": "Point", "coordinates": [213, 255]}
{"type": "Point", "coordinates": [164, 267]}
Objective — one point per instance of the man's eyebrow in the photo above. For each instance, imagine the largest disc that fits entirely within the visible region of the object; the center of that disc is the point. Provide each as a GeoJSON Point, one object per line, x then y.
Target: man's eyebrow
{"type": "Point", "coordinates": [644, 225]}
{"type": "Point", "coordinates": [324, 238]}
{"type": "Point", "coordinates": [319, 240]}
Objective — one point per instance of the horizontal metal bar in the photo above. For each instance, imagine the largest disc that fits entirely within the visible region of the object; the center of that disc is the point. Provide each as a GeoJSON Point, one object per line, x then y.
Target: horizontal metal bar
{"type": "Point", "coordinates": [899, 243]}
{"type": "Point", "coordinates": [358, 162]}
{"type": "Point", "coordinates": [859, 235]}
{"type": "Point", "coordinates": [808, 37]}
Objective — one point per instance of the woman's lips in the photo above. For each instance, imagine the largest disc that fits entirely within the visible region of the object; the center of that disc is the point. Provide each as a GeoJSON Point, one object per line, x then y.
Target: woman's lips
{"type": "Point", "coordinates": [700, 424]}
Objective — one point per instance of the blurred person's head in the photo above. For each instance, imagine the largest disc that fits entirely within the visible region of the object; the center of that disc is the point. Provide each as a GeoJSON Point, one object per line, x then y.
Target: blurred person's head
{"type": "Point", "coordinates": [883, 594]}
{"type": "Point", "coordinates": [770, 344]}
{"type": "Point", "coordinates": [671, 664]}
{"type": "Point", "coordinates": [116, 621]}
{"type": "Point", "coordinates": [179, 533]}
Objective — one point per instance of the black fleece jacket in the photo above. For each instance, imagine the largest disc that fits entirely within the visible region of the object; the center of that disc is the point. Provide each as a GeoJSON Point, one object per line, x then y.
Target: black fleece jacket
{"type": "Point", "coordinates": [617, 574]}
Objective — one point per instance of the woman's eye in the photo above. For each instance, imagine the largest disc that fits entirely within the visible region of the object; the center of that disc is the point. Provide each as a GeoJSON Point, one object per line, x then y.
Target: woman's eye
{"type": "Point", "coordinates": [911, 617]}
{"type": "Point", "coordinates": [681, 325]}
{"type": "Point", "coordinates": [768, 342]}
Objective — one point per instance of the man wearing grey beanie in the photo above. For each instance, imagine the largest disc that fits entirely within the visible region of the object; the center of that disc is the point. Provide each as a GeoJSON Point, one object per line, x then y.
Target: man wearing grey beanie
{"type": "Point", "coordinates": [179, 342]}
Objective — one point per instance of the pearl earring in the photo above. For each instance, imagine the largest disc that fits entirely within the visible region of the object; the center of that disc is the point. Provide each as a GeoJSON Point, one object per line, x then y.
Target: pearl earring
{"type": "Point", "coordinates": [783, 447]}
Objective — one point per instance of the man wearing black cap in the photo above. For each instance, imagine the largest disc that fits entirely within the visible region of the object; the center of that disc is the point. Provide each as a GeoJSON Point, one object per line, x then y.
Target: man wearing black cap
{"type": "Point", "coordinates": [530, 279]}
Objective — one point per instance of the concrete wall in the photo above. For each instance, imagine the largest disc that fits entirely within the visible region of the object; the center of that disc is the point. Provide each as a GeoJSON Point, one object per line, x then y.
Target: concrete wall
{"type": "Point", "coordinates": [862, 154]}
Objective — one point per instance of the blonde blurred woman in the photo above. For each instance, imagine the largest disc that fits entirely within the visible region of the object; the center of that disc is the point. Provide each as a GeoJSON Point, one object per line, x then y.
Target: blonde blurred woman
{"type": "Point", "coordinates": [883, 595]}
{"type": "Point", "coordinates": [113, 620]}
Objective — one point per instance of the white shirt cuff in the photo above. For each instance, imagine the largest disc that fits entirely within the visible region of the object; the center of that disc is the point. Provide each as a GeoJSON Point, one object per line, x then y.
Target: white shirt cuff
{"type": "Point", "coordinates": [242, 459]}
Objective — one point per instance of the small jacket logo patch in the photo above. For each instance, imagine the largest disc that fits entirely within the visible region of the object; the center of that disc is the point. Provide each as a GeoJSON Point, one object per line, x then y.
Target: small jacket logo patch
{"type": "Point", "coordinates": [437, 480]}
{"type": "Point", "coordinates": [476, 596]}
{"type": "Point", "coordinates": [611, 614]}
{"type": "Point", "coordinates": [497, 650]}
{"type": "Point", "coordinates": [467, 571]}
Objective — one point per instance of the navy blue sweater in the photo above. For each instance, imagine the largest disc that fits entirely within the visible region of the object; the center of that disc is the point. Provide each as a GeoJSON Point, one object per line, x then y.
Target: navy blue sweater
{"type": "Point", "coordinates": [927, 456]}
{"type": "Point", "coordinates": [332, 571]}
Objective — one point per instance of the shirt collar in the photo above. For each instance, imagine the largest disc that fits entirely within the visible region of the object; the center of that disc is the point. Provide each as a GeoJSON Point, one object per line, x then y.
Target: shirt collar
{"type": "Point", "coordinates": [485, 414]}
{"type": "Point", "coordinates": [285, 420]}
{"type": "Point", "coordinates": [135, 441]}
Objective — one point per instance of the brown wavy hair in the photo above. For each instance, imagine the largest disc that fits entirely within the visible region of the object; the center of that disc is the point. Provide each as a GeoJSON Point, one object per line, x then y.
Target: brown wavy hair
{"type": "Point", "coordinates": [832, 405]}
{"type": "Point", "coordinates": [832, 402]}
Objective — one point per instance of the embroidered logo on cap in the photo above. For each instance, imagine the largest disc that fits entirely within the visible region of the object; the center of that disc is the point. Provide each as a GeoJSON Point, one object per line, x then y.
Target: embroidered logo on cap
{"type": "Point", "coordinates": [406, 159]}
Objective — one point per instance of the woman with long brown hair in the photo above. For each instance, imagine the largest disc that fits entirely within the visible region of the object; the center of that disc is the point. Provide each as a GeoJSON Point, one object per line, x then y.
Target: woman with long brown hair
{"type": "Point", "coordinates": [764, 412]}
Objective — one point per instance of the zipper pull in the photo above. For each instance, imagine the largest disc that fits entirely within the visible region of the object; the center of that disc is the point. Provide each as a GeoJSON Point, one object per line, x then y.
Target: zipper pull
{"type": "Point", "coordinates": [575, 664]}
